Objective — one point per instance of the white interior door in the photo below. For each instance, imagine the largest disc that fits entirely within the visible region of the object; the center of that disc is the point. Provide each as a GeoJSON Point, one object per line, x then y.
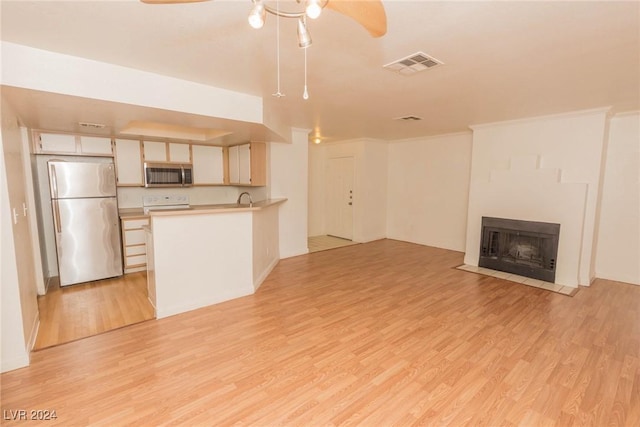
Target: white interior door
{"type": "Point", "coordinates": [340, 177]}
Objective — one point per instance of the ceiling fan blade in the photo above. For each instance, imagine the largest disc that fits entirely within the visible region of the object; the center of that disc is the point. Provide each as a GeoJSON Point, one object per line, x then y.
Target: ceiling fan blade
{"type": "Point", "coordinates": [170, 1]}
{"type": "Point", "coordinates": [368, 13]}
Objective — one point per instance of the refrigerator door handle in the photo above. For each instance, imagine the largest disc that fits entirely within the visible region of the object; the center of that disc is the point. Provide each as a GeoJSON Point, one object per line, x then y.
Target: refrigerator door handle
{"type": "Point", "coordinates": [56, 215]}
{"type": "Point", "coordinates": [54, 182]}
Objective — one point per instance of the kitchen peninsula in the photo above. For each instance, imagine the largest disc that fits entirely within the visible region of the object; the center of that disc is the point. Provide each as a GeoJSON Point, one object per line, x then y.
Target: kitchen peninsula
{"type": "Point", "coordinates": [209, 254]}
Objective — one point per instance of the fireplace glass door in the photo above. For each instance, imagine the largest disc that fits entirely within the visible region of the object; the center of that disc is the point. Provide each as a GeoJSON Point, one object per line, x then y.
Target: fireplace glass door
{"type": "Point", "coordinates": [526, 248]}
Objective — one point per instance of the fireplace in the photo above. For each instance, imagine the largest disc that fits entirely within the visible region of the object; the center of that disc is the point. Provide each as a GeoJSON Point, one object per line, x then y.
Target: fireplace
{"type": "Point", "coordinates": [526, 248]}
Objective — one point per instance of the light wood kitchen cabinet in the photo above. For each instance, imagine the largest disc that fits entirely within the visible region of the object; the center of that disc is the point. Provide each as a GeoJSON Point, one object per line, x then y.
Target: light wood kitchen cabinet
{"type": "Point", "coordinates": [180, 153]}
{"type": "Point", "coordinates": [154, 151]}
{"type": "Point", "coordinates": [166, 152]}
{"type": "Point", "coordinates": [128, 159]}
{"type": "Point", "coordinates": [208, 165]}
{"type": "Point", "coordinates": [95, 146]}
{"type": "Point", "coordinates": [57, 143]}
{"type": "Point", "coordinates": [248, 164]}
{"type": "Point", "coordinates": [134, 249]}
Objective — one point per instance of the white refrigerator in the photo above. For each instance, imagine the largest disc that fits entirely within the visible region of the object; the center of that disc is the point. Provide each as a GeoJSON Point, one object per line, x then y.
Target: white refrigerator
{"type": "Point", "coordinates": [85, 220]}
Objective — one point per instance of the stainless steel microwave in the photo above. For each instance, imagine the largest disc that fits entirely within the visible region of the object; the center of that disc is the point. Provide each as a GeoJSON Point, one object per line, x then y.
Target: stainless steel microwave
{"type": "Point", "coordinates": [168, 174]}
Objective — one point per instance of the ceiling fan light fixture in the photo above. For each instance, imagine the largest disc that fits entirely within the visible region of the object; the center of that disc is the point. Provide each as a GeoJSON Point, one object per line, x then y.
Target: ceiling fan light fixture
{"type": "Point", "coordinates": [313, 9]}
{"type": "Point", "coordinates": [257, 15]}
{"type": "Point", "coordinates": [304, 38]}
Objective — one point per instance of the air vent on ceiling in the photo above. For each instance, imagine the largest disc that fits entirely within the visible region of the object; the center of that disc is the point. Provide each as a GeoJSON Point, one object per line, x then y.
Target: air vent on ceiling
{"type": "Point", "coordinates": [411, 64]}
{"type": "Point", "coordinates": [408, 118]}
{"type": "Point", "coordinates": [92, 125]}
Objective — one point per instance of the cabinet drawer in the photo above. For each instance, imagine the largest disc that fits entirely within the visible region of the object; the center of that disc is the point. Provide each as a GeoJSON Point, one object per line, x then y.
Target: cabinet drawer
{"type": "Point", "coordinates": [135, 250]}
{"type": "Point", "coordinates": [137, 260]}
{"type": "Point", "coordinates": [129, 224]}
{"type": "Point", "coordinates": [134, 237]}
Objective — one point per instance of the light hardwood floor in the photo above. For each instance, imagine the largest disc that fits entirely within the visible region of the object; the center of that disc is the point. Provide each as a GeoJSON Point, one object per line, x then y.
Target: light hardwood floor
{"type": "Point", "coordinates": [87, 309]}
{"type": "Point", "coordinates": [377, 334]}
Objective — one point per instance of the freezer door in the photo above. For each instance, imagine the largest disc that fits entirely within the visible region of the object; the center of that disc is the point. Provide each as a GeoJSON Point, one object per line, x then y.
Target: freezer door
{"type": "Point", "coordinates": [87, 239]}
{"type": "Point", "coordinates": [70, 180]}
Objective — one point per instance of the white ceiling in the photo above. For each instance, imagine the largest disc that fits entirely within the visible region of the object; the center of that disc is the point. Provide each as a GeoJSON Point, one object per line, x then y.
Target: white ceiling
{"type": "Point", "coordinates": [503, 60]}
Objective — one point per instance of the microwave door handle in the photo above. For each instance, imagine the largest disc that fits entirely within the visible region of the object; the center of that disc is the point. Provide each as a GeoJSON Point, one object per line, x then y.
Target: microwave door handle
{"type": "Point", "coordinates": [183, 176]}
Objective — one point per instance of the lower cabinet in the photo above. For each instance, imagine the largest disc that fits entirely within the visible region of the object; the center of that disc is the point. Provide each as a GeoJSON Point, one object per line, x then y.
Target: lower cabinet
{"type": "Point", "coordinates": [134, 249]}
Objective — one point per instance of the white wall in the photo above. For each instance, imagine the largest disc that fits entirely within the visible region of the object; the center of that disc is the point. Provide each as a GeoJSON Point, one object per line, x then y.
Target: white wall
{"type": "Point", "coordinates": [211, 262]}
{"type": "Point", "coordinates": [369, 189]}
{"type": "Point", "coordinates": [19, 317]}
{"type": "Point", "coordinates": [266, 249]}
{"type": "Point", "coordinates": [618, 251]}
{"type": "Point", "coordinates": [429, 189]}
{"type": "Point", "coordinates": [373, 189]}
{"type": "Point", "coordinates": [570, 144]}
{"type": "Point", "coordinates": [47, 71]}
{"type": "Point", "coordinates": [13, 351]}
{"type": "Point", "coordinates": [289, 166]}
{"type": "Point", "coordinates": [317, 185]}
{"type": "Point", "coordinates": [30, 184]}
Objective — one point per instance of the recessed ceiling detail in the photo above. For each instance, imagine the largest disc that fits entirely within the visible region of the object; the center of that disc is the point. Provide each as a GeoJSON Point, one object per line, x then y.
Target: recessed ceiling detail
{"type": "Point", "coordinates": [164, 130]}
{"type": "Point", "coordinates": [413, 63]}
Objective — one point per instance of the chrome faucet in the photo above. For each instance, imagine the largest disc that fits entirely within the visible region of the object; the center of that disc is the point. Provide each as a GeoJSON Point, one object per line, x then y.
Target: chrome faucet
{"type": "Point", "coordinates": [242, 194]}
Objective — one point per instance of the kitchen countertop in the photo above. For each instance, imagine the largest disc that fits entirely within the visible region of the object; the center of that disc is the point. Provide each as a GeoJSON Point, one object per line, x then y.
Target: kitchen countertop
{"type": "Point", "coordinates": [132, 213]}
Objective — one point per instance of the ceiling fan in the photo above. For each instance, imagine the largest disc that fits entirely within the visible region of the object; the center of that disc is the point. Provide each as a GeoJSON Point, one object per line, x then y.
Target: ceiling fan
{"type": "Point", "coordinates": [368, 13]}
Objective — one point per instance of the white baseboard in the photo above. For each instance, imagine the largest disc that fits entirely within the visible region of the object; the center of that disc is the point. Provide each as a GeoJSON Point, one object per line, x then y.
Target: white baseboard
{"type": "Point", "coordinates": [162, 312]}
{"type": "Point", "coordinates": [34, 333]}
{"type": "Point", "coordinates": [15, 363]}
{"type": "Point", "coordinates": [265, 273]}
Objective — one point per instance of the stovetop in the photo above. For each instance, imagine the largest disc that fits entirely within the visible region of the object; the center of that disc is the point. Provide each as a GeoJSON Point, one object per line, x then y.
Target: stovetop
{"type": "Point", "coordinates": [167, 202]}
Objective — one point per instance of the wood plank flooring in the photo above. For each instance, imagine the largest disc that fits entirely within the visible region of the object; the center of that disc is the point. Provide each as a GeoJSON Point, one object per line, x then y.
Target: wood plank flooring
{"type": "Point", "coordinates": [87, 309]}
{"type": "Point", "coordinates": [377, 334]}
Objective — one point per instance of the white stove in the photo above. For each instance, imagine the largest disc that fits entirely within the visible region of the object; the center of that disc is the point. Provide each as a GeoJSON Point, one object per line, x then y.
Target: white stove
{"type": "Point", "coordinates": [170, 202]}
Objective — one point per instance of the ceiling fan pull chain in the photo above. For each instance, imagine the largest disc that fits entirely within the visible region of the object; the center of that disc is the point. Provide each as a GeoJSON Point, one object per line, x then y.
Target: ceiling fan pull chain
{"type": "Point", "coordinates": [305, 94]}
{"type": "Point", "coordinates": [278, 94]}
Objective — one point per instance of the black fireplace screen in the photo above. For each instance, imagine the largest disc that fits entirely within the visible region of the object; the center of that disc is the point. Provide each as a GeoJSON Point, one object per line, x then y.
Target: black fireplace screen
{"type": "Point", "coordinates": [526, 248]}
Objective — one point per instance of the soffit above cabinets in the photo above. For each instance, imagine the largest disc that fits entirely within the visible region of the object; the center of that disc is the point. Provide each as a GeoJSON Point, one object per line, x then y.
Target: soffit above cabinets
{"type": "Point", "coordinates": [59, 113]}
{"type": "Point", "coordinates": [165, 130]}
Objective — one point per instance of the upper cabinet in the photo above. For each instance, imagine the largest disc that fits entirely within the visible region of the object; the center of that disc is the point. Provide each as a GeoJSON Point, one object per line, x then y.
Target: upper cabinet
{"type": "Point", "coordinates": [208, 165]}
{"type": "Point", "coordinates": [54, 143]}
{"type": "Point", "coordinates": [242, 165]}
{"type": "Point", "coordinates": [155, 151]}
{"type": "Point", "coordinates": [179, 153]}
{"type": "Point", "coordinates": [166, 152]}
{"type": "Point", "coordinates": [96, 146]}
{"type": "Point", "coordinates": [248, 164]}
{"type": "Point", "coordinates": [128, 158]}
